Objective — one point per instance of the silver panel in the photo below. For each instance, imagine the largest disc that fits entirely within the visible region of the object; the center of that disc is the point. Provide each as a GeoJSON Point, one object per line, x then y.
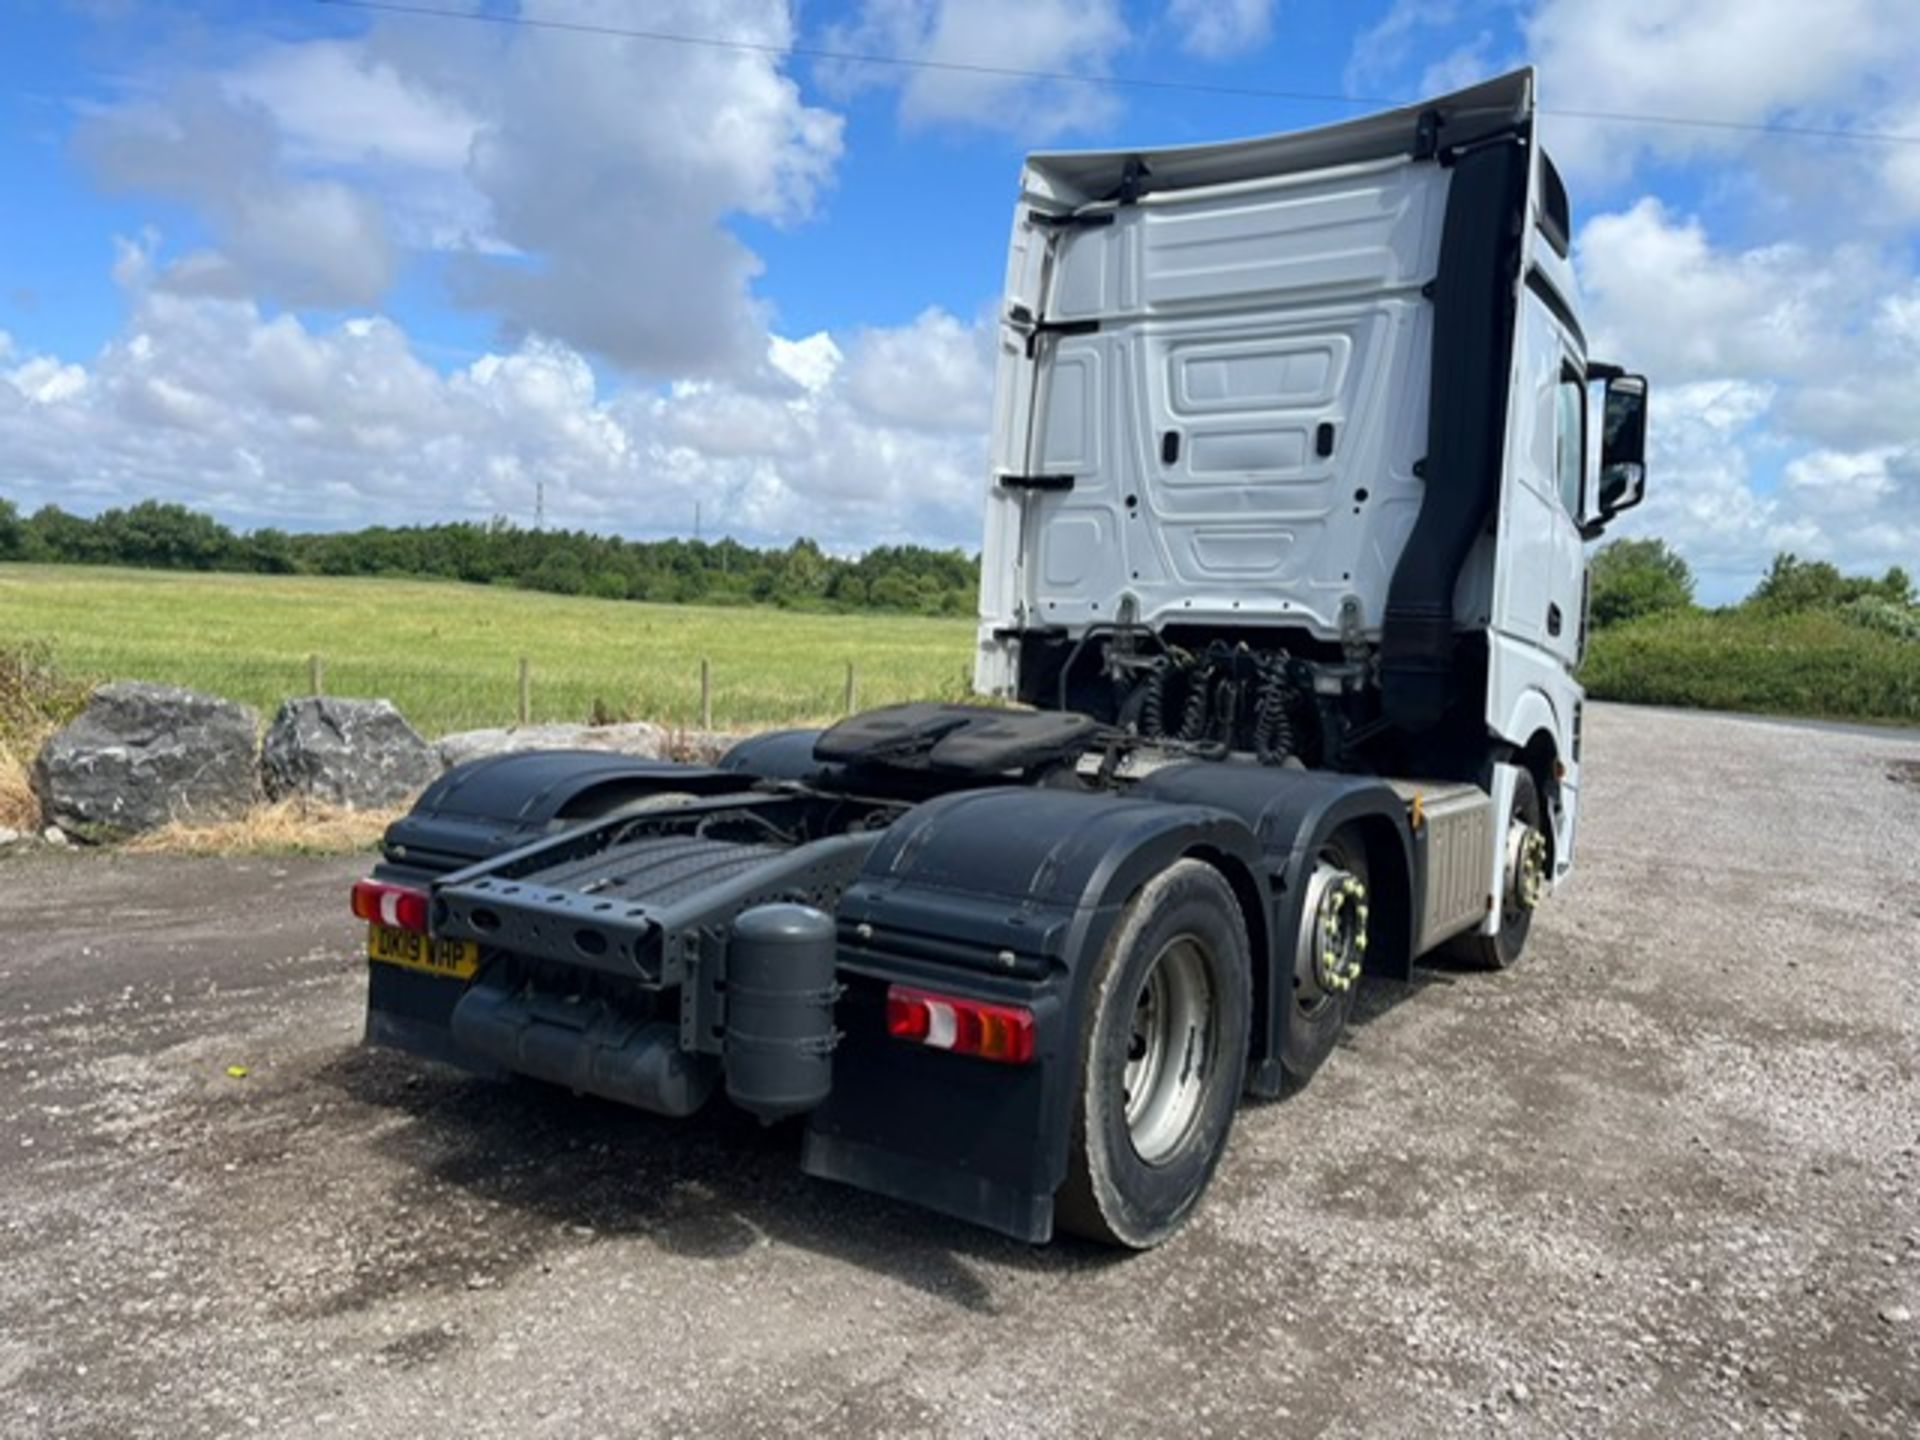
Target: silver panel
{"type": "Point", "coordinates": [1457, 821]}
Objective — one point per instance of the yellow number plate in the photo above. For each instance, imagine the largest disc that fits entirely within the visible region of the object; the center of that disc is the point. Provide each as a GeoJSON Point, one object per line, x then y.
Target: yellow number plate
{"type": "Point", "coordinates": [455, 959]}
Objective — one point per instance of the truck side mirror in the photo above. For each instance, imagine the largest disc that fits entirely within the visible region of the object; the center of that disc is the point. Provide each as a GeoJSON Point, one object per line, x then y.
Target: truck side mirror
{"type": "Point", "coordinates": [1623, 445]}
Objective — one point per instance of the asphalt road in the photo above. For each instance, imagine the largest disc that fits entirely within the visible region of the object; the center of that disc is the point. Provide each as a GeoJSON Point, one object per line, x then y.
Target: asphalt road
{"type": "Point", "coordinates": [1662, 1180]}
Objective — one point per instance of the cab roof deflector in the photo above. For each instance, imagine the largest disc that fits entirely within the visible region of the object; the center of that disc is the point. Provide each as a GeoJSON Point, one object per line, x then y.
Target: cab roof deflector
{"type": "Point", "coordinates": [1078, 177]}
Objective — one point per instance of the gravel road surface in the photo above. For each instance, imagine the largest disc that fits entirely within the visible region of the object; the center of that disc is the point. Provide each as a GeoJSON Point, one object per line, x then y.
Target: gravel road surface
{"type": "Point", "coordinates": [1661, 1180]}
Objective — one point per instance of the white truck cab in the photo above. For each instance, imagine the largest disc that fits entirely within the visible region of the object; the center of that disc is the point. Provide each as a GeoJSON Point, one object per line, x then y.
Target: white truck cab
{"type": "Point", "coordinates": [1321, 396]}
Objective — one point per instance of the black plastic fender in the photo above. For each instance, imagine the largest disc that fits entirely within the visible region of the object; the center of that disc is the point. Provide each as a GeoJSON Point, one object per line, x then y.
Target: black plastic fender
{"type": "Point", "coordinates": [488, 806]}
{"type": "Point", "coordinates": [1012, 895]}
{"type": "Point", "coordinates": [1007, 895]}
{"type": "Point", "coordinates": [779, 755]}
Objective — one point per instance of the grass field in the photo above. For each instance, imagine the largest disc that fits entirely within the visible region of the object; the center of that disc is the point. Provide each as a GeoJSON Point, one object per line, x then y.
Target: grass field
{"type": "Point", "coordinates": [448, 654]}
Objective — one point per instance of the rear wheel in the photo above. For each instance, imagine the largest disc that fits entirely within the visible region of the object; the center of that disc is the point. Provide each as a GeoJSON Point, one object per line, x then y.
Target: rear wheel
{"type": "Point", "coordinates": [1525, 856]}
{"type": "Point", "coordinates": [1162, 1057]}
{"type": "Point", "coordinates": [1328, 955]}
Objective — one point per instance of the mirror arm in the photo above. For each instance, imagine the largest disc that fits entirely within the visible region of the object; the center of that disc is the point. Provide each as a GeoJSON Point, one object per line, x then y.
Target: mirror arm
{"type": "Point", "coordinates": [1603, 370]}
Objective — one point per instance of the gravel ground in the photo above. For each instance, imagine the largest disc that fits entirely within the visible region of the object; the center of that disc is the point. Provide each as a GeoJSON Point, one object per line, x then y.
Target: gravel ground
{"type": "Point", "coordinates": [1660, 1180]}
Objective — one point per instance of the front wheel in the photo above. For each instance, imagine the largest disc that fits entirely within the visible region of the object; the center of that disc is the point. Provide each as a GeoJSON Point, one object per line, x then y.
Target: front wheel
{"type": "Point", "coordinates": [1525, 857]}
{"type": "Point", "coordinates": [1163, 1054]}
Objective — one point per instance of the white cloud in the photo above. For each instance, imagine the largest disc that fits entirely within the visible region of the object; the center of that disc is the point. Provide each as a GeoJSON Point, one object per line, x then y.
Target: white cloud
{"type": "Point", "coordinates": [1838, 328]}
{"type": "Point", "coordinates": [1747, 61]}
{"type": "Point", "coordinates": [272, 420]}
{"type": "Point", "coordinates": [1685, 310]}
{"type": "Point", "coordinates": [1221, 29]}
{"type": "Point", "coordinates": [46, 381]}
{"type": "Point", "coordinates": [614, 166]}
{"type": "Point", "coordinates": [1056, 36]}
{"type": "Point", "coordinates": [338, 103]}
{"type": "Point", "coordinates": [307, 241]}
{"type": "Point", "coordinates": [935, 374]}
{"type": "Point", "coordinates": [584, 185]}
{"type": "Point", "coordinates": [1779, 358]}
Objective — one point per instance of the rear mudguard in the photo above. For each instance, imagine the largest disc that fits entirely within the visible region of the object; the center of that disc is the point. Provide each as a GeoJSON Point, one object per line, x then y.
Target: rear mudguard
{"type": "Point", "coordinates": [1013, 895]}
{"type": "Point", "coordinates": [487, 807]}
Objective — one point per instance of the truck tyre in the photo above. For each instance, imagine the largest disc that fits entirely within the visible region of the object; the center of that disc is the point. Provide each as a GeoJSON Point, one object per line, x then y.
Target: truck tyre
{"type": "Point", "coordinates": [1328, 956]}
{"type": "Point", "coordinates": [1163, 1053]}
{"type": "Point", "coordinates": [1502, 950]}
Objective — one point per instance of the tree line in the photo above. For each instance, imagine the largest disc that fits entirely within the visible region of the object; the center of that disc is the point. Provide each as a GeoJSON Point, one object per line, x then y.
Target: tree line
{"type": "Point", "coordinates": [1634, 579]}
{"type": "Point", "coordinates": [1631, 579]}
{"type": "Point", "coordinates": [164, 536]}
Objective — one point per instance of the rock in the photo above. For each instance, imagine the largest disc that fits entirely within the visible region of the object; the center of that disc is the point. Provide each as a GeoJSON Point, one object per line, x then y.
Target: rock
{"type": "Point", "coordinates": [1895, 1315]}
{"type": "Point", "coordinates": [638, 738]}
{"type": "Point", "coordinates": [9, 836]}
{"type": "Point", "coordinates": [54, 835]}
{"type": "Point", "coordinates": [141, 755]}
{"type": "Point", "coordinates": [358, 753]}
{"type": "Point", "coordinates": [700, 747]}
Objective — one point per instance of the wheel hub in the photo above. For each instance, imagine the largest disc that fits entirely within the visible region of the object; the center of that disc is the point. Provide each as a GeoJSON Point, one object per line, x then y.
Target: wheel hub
{"type": "Point", "coordinates": [1336, 937]}
{"type": "Point", "coordinates": [1526, 864]}
{"type": "Point", "coordinates": [1169, 1049]}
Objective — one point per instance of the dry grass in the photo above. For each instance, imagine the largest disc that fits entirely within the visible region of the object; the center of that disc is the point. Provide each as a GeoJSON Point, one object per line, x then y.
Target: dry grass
{"type": "Point", "coordinates": [36, 698]}
{"type": "Point", "coordinates": [294, 827]}
{"type": "Point", "coordinates": [19, 806]}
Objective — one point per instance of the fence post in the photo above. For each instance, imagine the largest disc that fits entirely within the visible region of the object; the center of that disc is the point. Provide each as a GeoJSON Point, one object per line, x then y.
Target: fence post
{"type": "Point", "coordinates": [852, 687]}
{"type": "Point", "coordinates": [316, 675]}
{"type": "Point", "coordinates": [706, 694]}
{"type": "Point", "coordinates": [526, 692]}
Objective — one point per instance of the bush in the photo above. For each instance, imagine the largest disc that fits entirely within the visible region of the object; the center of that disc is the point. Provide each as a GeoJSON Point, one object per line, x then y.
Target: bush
{"type": "Point", "coordinates": [1795, 584]}
{"type": "Point", "coordinates": [1874, 613]}
{"type": "Point", "coordinates": [1816, 663]}
{"type": "Point", "coordinates": [1633, 578]}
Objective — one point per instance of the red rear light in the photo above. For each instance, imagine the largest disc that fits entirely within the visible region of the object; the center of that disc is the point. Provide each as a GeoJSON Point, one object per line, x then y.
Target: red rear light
{"type": "Point", "coordinates": [399, 906]}
{"type": "Point", "coordinates": [966, 1027]}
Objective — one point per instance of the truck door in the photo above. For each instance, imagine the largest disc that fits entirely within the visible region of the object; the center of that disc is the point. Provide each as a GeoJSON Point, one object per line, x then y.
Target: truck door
{"type": "Point", "coordinates": [1538, 592]}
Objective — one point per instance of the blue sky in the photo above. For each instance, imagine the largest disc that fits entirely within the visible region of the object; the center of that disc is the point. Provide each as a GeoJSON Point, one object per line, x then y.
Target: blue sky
{"type": "Point", "coordinates": [311, 265]}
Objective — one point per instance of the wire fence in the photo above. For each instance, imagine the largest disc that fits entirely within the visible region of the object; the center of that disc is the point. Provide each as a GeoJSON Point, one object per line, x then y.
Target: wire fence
{"type": "Point", "coordinates": [706, 694]}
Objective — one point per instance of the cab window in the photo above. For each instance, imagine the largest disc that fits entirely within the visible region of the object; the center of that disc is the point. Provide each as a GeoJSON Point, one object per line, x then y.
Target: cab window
{"type": "Point", "coordinates": [1570, 438]}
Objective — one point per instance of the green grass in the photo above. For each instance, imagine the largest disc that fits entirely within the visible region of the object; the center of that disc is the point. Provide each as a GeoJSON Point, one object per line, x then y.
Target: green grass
{"type": "Point", "coordinates": [1813, 663]}
{"type": "Point", "coordinates": [447, 654]}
